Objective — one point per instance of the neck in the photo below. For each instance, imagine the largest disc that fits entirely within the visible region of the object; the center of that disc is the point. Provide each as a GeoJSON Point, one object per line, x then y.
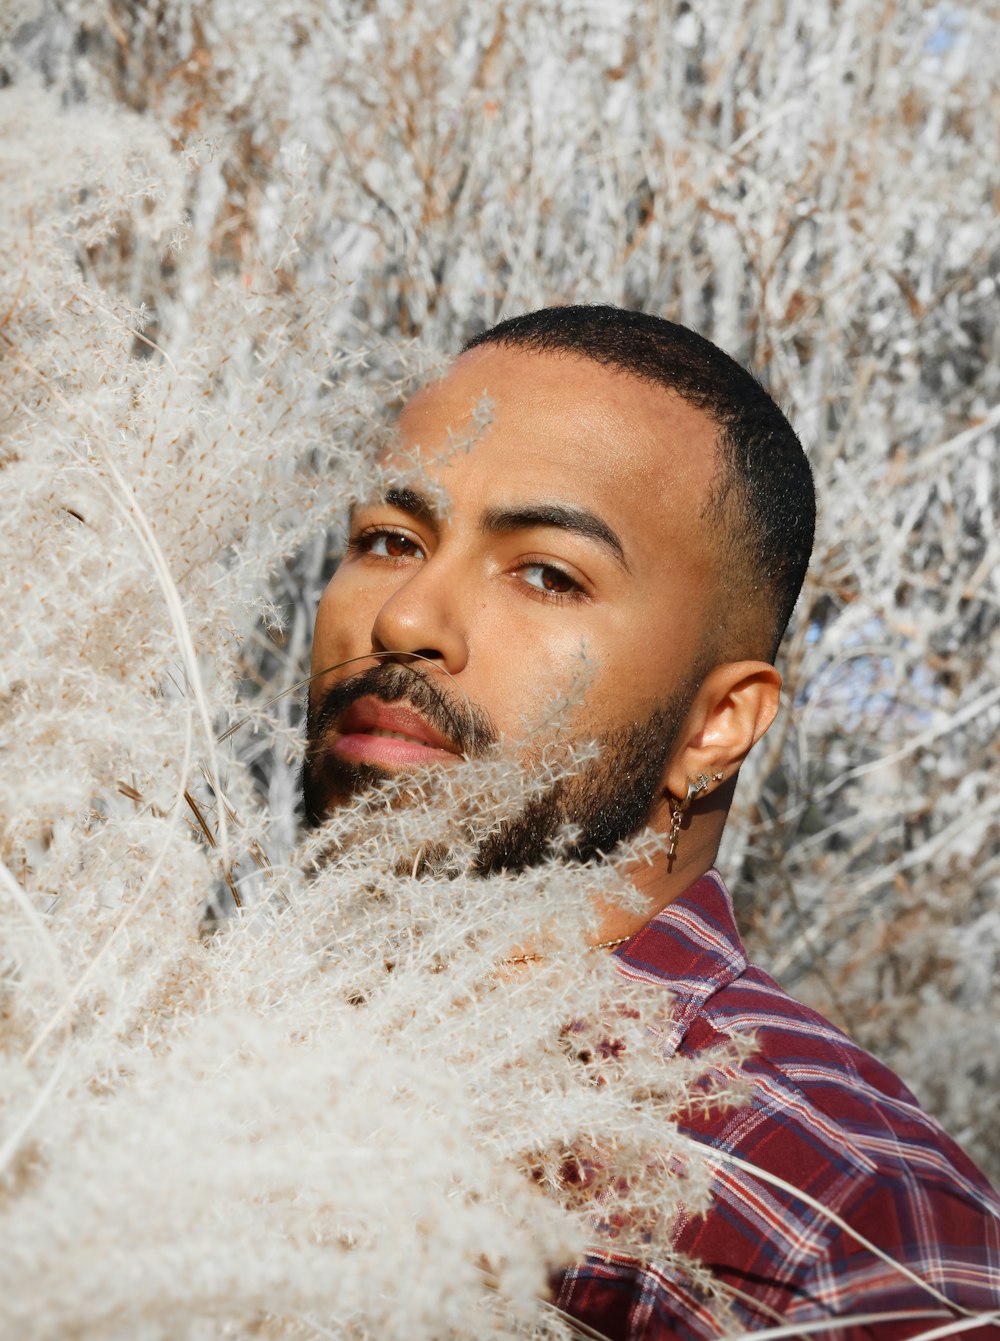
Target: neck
{"type": "Point", "coordinates": [661, 881]}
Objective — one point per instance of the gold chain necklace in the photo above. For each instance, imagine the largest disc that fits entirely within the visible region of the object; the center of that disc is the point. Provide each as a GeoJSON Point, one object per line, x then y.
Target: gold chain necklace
{"type": "Point", "coordinates": [600, 945]}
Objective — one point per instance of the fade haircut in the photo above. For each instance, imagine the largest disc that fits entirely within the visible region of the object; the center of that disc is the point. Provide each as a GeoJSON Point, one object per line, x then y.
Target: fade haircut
{"type": "Point", "coordinates": [762, 503]}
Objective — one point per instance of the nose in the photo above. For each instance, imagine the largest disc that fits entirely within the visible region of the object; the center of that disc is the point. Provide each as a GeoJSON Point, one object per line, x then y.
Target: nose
{"type": "Point", "coordinates": [422, 616]}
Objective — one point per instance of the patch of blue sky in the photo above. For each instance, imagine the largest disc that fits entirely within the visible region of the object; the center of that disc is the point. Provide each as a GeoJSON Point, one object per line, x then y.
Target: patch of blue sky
{"type": "Point", "coordinates": [947, 22]}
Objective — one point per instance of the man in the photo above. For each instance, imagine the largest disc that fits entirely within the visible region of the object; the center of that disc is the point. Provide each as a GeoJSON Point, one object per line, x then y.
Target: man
{"type": "Point", "coordinates": [635, 498]}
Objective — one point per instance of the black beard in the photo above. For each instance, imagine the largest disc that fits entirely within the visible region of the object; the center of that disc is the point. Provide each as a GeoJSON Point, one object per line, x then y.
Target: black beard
{"type": "Point", "coordinates": [582, 816]}
{"type": "Point", "coordinates": [590, 812]}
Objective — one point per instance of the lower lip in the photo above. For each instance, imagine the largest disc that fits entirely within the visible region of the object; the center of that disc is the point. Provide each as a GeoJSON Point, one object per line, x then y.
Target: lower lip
{"type": "Point", "coordinates": [367, 749]}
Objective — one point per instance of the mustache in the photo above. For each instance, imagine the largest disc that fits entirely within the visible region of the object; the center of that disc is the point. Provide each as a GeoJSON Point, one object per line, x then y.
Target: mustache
{"type": "Point", "coordinates": [467, 726]}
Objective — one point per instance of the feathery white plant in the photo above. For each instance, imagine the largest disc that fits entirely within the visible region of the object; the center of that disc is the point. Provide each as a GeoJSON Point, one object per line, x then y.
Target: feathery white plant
{"type": "Point", "coordinates": [347, 1109]}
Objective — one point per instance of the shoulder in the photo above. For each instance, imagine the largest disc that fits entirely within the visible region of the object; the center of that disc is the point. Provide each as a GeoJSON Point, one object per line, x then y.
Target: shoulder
{"type": "Point", "coordinates": [831, 1175]}
{"type": "Point", "coordinates": [812, 1084]}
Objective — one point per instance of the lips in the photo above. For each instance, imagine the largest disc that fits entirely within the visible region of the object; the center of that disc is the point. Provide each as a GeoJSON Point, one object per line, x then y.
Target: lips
{"type": "Point", "coordinates": [389, 735]}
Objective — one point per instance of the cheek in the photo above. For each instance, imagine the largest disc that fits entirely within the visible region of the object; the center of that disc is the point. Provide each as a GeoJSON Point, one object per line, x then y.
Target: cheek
{"type": "Point", "coordinates": [611, 670]}
{"type": "Point", "coordinates": [340, 622]}
{"type": "Point", "coordinates": [526, 666]}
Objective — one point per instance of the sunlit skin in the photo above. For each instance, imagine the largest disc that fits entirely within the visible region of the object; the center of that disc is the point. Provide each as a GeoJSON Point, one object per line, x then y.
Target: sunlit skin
{"type": "Point", "coordinates": [511, 604]}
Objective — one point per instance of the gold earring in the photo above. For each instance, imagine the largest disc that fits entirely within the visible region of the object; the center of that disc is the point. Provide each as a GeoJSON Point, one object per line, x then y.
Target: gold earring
{"type": "Point", "coordinates": [677, 808]}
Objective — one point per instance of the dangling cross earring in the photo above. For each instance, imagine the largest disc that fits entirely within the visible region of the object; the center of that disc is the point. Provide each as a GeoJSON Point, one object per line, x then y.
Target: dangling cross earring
{"type": "Point", "coordinates": [677, 808]}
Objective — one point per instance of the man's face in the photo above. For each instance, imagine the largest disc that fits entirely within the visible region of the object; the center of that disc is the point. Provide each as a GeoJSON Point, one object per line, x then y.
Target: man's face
{"type": "Point", "coordinates": [557, 555]}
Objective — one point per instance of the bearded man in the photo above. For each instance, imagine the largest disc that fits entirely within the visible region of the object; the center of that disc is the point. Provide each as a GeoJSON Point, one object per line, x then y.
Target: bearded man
{"type": "Point", "coordinates": [637, 496]}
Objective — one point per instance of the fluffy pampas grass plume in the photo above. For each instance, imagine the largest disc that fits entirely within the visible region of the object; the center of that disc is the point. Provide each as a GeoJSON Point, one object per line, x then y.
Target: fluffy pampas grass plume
{"type": "Point", "coordinates": [282, 1096]}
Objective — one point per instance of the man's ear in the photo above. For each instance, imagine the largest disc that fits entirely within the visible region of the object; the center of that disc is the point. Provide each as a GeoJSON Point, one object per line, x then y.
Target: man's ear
{"type": "Point", "coordinates": [736, 703]}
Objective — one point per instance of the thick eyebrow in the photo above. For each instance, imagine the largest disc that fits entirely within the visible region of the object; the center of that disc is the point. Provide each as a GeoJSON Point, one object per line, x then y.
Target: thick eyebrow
{"type": "Point", "coordinates": [415, 503]}
{"type": "Point", "coordinates": [563, 516]}
{"type": "Point", "coordinates": [411, 501]}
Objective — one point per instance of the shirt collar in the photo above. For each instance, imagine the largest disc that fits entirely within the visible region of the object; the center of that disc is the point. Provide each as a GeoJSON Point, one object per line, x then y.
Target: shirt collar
{"type": "Point", "coordinates": [693, 947]}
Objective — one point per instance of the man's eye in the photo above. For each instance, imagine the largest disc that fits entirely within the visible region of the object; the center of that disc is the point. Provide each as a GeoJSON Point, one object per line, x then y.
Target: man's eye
{"type": "Point", "coordinates": [553, 581]}
{"type": "Point", "coordinates": [387, 545]}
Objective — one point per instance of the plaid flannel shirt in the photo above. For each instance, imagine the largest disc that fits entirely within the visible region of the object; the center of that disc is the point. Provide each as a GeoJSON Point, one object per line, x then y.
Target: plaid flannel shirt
{"type": "Point", "coordinates": [825, 1117]}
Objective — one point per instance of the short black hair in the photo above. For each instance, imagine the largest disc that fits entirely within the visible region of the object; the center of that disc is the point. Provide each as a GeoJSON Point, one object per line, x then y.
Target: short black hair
{"type": "Point", "coordinates": [762, 499]}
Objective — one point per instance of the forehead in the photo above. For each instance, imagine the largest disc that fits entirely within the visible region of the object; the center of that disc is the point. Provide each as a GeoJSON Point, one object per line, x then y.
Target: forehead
{"type": "Point", "coordinates": [567, 429]}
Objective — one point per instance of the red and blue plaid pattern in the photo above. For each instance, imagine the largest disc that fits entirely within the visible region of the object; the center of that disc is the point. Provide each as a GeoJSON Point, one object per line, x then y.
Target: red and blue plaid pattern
{"type": "Point", "coordinates": [824, 1117]}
